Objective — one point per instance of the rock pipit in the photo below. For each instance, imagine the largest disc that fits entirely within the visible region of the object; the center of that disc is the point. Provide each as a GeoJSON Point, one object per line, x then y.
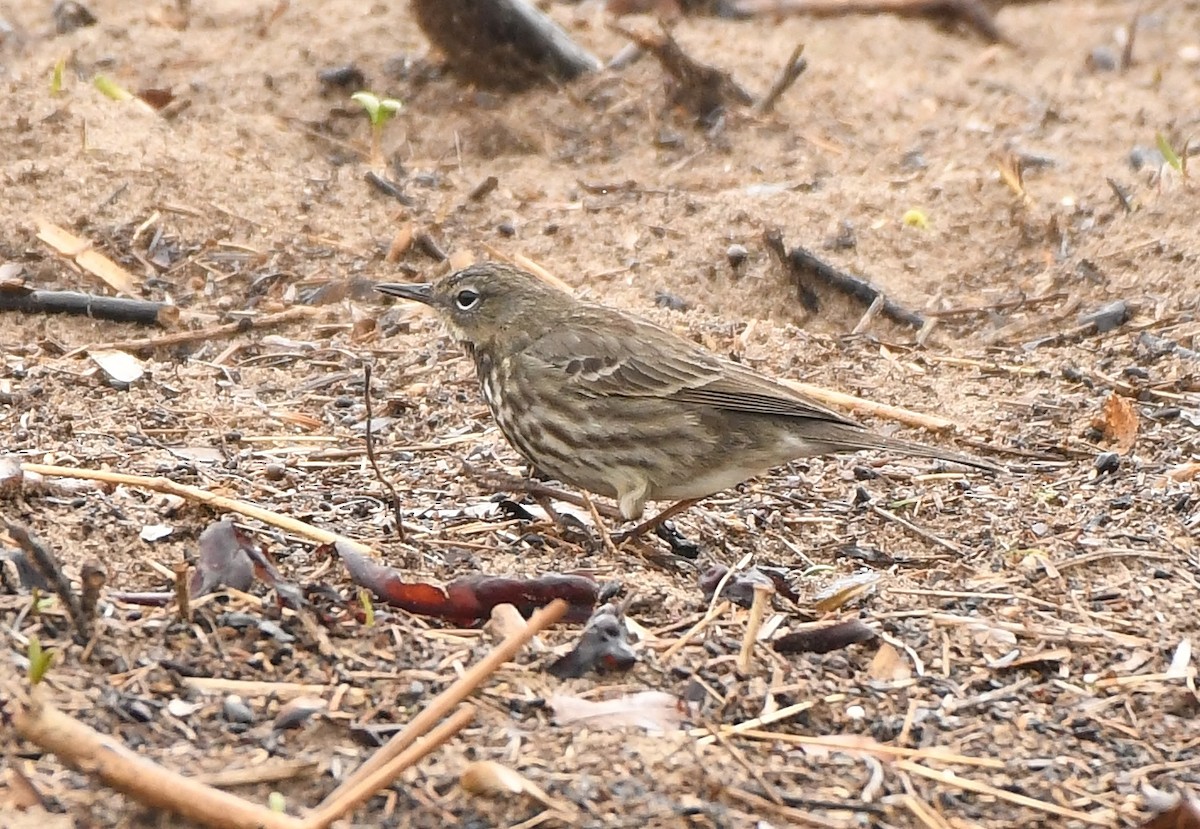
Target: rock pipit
{"type": "Point", "coordinates": [616, 405]}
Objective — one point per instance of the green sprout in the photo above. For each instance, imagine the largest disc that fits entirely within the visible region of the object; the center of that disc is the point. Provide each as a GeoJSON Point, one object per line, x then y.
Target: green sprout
{"type": "Point", "coordinates": [39, 660]}
{"type": "Point", "coordinates": [1177, 160]}
{"type": "Point", "coordinates": [56, 78]}
{"type": "Point", "coordinates": [111, 89]}
{"type": "Point", "coordinates": [277, 803]}
{"type": "Point", "coordinates": [1168, 152]}
{"type": "Point", "coordinates": [39, 603]}
{"type": "Point", "coordinates": [364, 598]}
{"type": "Point", "coordinates": [379, 111]}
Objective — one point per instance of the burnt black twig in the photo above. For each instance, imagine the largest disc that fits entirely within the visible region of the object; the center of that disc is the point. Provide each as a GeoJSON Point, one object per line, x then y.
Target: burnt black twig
{"type": "Point", "coordinates": [811, 273]}
{"type": "Point", "coordinates": [793, 69]}
{"type": "Point", "coordinates": [49, 568]}
{"type": "Point", "coordinates": [15, 297]}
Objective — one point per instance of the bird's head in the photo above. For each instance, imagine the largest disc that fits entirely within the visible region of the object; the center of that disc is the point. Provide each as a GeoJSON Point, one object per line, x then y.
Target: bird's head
{"type": "Point", "coordinates": [488, 300]}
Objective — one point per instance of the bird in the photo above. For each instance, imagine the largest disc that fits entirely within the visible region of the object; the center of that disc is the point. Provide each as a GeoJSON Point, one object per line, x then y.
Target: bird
{"type": "Point", "coordinates": [615, 405]}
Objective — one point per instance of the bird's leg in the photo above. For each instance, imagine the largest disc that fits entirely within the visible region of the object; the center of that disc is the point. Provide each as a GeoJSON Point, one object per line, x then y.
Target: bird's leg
{"type": "Point", "coordinates": [651, 523]}
{"type": "Point", "coordinates": [501, 482]}
{"type": "Point", "coordinates": [546, 504]}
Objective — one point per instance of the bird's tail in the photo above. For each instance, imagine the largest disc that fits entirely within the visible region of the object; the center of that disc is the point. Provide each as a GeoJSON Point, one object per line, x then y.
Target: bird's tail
{"type": "Point", "coordinates": [852, 439]}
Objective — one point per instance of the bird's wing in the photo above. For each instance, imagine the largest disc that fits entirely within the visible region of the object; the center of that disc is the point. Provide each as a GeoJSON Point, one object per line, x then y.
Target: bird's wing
{"type": "Point", "coordinates": [618, 356]}
{"type": "Point", "coordinates": [745, 390]}
{"type": "Point", "coordinates": [623, 357]}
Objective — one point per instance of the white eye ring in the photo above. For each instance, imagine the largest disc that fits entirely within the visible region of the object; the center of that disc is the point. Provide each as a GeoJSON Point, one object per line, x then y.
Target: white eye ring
{"type": "Point", "coordinates": [466, 299]}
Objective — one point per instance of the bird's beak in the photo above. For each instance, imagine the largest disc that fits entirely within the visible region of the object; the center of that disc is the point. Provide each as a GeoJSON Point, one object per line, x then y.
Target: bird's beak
{"type": "Point", "coordinates": [418, 292]}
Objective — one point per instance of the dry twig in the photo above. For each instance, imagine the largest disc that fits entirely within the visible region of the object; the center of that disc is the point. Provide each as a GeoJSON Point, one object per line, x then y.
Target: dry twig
{"type": "Point", "coordinates": [459, 690]}
{"type": "Point", "coordinates": [192, 493]}
{"type": "Point", "coordinates": [218, 332]}
{"type": "Point", "coordinates": [972, 13]}
{"type": "Point", "coordinates": [370, 438]}
{"type": "Point", "coordinates": [793, 69]}
{"type": "Point", "coordinates": [886, 411]}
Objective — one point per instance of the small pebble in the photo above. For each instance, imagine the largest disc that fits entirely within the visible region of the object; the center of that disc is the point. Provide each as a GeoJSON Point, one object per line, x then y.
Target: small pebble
{"type": "Point", "coordinates": [348, 77]}
{"type": "Point", "coordinates": [846, 239]}
{"type": "Point", "coordinates": [274, 471]}
{"type": "Point", "coordinates": [668, 138]}
{"type": "Point", "coordinates": [864, 473]}
{"type": "Point", "coordinates": [1102, 59]}
{"type": "Point", "coordinates": [1107, 462]}
{"type": "Point", "coordinates": [914, 160]}
{"type": "Point", "coordinates": [664, 299]}
{"type": "Point", "coordinates": [139, 710]}
{"type": "Point", "coordinates": [69, 16]}
{"type": "Point", "coordinates": [297, 712]}
{"type": "Point", "coordinates": [182, 708]}
{"type": "Point", "coordinates": [737, 255]}
{"type": "Point", "coordinates": [1109, 317]}
{"type": "Point", "coordinates": [234, 709]}
{"type": "Point", "coordinates": [1140, 157]}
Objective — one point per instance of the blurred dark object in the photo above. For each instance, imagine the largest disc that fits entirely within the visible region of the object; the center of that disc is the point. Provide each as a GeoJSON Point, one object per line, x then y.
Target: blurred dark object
{"type": "Point", "coordinates": [69, 16]}
{"type": "Point", "coordinates": [502, 44]}
{"type": "Point", "coordinates": [345, 78]}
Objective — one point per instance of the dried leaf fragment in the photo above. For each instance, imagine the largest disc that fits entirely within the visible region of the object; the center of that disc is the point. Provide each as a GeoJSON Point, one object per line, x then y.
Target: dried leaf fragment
{"type": "Point", "coordinates": [230, 558]}
{"type": "Point", "coordinates": [888, 665]}
{"type": "Point", "coordinates": [845, 590]}
{"type": "Point", "coordinates": [1118, 422]}
{"type": "Point", "coordinates": [654, 711]}
{"type": "Point", "coordinates": [80, 250]}
{"type": "Point", "coordinates": [470, 598]}
{"type": "Point", "coordinates": [487, 778]}
{"type": "Point", "coordinates": [1184, 472]}
{"type": "Point", "coordinates": [120, 366]}
{"type": "Point", "coordinates": [825, 639]}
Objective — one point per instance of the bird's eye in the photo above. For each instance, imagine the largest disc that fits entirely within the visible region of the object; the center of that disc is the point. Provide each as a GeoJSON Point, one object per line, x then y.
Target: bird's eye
{"type": "Point", "coordinates": [466, 299]}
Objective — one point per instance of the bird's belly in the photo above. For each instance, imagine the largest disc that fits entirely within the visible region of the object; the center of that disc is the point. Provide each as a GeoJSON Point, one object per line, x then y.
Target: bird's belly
{"type": "Point", "coordinates": [552, 438]}
{"type": "Point", "coordinates": [704, 484]}
{"type": "Point", "coordinates": [606, 445]}
{"type": "Point", "coordinates": [613, 445]}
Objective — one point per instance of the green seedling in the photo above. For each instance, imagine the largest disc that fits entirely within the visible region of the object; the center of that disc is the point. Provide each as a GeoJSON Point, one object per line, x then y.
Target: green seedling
{"type": "Point", "coordinates": [1176, 160]}
{"type": "Point", "coordinates": [39, 602]}
{"type": "Point", "coordinates": [39, 660]}
{"type": "Point", "coordinates": [111, 89]}
{"type": "Point", "coordinates": [56, 78]}
{"type": "Point", "coordinates": [277, 803]}
{"type": "Point", "coordinates": [379, 111]}
{"type": "Point", "coordinates": [368, 606]}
